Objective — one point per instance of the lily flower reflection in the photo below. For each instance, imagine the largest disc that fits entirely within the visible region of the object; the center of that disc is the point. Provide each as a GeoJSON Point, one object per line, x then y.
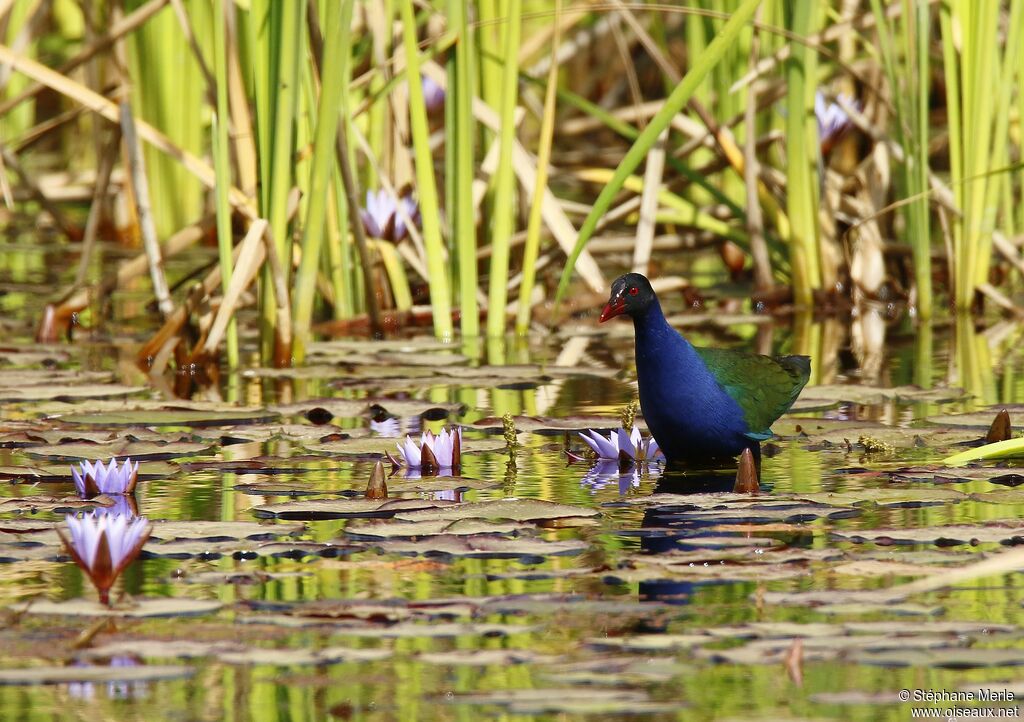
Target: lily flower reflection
{"type": "Point", "coordinates": [392, 427]}
{"type": "Point", "coordinates": [606, 473]}
{"type": "Point", "coordinates": [116, 689]}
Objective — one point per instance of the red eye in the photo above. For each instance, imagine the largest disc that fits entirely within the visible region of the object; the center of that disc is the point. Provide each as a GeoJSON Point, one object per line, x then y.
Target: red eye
{"type": "Point", "coordinates": [633, 291]}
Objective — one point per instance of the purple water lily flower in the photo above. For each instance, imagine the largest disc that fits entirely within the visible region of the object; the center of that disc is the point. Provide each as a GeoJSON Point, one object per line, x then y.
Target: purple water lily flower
{"type": "Point", "coordinates": [381, 218]}
{"type": "Point", "coordinates": [833, 120]}
{"type": "Point", "coordinates": [103, 545]}
{"type": "Point", "coordinates": [435, 452]}
{"type": "Point", "coordinates": [92, 479]}
{"type": "Point", "coordinates": [433, 94]}
{"type": "Point", "coordinates": [622, 446]}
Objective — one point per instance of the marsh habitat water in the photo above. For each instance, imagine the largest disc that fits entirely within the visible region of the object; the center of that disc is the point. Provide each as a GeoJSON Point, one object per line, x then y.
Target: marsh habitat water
{"type": "Point", "coordinates": [635, 598]}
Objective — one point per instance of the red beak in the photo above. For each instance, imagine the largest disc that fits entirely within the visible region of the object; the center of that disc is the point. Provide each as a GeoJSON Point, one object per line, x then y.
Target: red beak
{"type": "Point", "coordinates": [614, 307]}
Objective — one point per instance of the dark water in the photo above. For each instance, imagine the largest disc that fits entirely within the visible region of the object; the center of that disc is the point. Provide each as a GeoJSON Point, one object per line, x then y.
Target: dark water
{"type": "Point", "coordinates": [556, 608]}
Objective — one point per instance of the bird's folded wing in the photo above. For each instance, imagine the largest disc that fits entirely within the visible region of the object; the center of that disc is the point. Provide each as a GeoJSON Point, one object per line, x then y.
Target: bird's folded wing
{"type": "Point", "coordinates": [764, 387]}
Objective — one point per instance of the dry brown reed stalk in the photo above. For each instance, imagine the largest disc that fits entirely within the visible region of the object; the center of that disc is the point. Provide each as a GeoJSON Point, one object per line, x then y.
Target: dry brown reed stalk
{"type": "Point", "coordinates": [107, 158]}
{"type": "Point", "coordinates": [147, 226]}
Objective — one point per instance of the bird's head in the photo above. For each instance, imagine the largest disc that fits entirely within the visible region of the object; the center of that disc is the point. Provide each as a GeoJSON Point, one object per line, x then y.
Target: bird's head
{"type": "Point", "coordinates": [631, 294]}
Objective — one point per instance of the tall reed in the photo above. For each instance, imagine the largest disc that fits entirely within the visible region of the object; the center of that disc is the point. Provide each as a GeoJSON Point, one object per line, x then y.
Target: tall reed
{"type": "Point", "coordinates": [337, 20]}
{"type": "Point", "coordinates": [676, 100]}
{"type": "Point", "coordinates": [906, 63]}
{"type": "Point", "coordinates": [460, 137]}
{"type": "Point", "coordinates": [801, 155]}
{"type": "Point", "coordinates": [222, 165]}
{"type": "Point", "coordinates": [440, 298]}
{"type": "Point", "coordinates": [978, 115]}
{"type": "Point", "coordinates": [503, 214]}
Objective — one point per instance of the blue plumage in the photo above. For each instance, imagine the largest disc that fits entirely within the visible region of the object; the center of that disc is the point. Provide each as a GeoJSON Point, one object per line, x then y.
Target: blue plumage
{"type": "Point", "coordinates": [702, 404]}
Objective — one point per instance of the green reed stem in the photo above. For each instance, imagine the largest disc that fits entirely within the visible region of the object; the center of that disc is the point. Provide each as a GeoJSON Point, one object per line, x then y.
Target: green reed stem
{"type": "Point", "coordinates": [337, 19]}
{"type": "Point", "coordinates": [460, 136]}
{"type": "Point", "coordinates": [440, 298]}
{"type": "Point", "coordinates": [222, 166]}
{"type": "Point", "coordinates": [547, 132]}
{"type": "Point", "coordinates": [661, 120]}
{"type": "Point", "coordinates": [951, 73]}
{"type": "Point", "coordinates": [909, 83]}
{"type": "Point", "coordinates": [504, 177]}
{"type": "Point", "coordinates": [801, 155]}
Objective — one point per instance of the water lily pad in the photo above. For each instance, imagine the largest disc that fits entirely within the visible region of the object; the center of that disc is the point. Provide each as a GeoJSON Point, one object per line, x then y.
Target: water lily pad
{"type": "Point", "coordinates": [15, 378]}
{"type": "Point", "coordinates": [774, 651]}
{"type": "Point", "coordinates": [650, 642]}
{"type": "Point", "coordinates": [342, 508]}
{"type": "Point", "coordinates": [402, 630]}
{"type": "Point", "coordinates": [378, 445]}
{"type": "Point", "coordinates": [147, 607]}
{"type": "Point", "coordinates": [950, 535]}
{"type": "Point", "coordinates": [91, 673]}
{"type": "Point", "coordinates": [141, 450]}
{"type": "Point", "coordinates": [875, 568]}
{"type": "Point", "coordinates": [898, 497]}
{"type": "Point", "coordinates": [512, 509]}
{"type": "Point", "coordinates": [574, 701]}
{"type": "Point", "coordinates": [172, 417]}
{"type": "Point", "coordinates": [431, 527]}
{"type": "Point", "coordinates": [67, 391]}
{"type": "Point", "coordinates": [38, 502]}
{"type": "Point", "coordinates": [863, 394]}
{"type": "Point", "coordinates": [217, 530]}
{"type": "Point", "coordinates": [973, 658]}
{"type": "Point", "coordinates": [482, 546]}
{"type": "Point", "coordinates": [485, 657]}
{"type": "Point", "coordinates": [545, 423]}
{"type": "Point", "coordinates": [980, 420]}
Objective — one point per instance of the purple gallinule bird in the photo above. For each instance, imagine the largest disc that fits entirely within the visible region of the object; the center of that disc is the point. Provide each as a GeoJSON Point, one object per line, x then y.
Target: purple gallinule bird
{"type": "Point", "coordinates": [702, 404]}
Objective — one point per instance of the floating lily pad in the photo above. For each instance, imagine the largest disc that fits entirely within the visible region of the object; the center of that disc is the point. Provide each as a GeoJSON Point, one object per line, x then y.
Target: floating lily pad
{"type": "Point", "coordinates": [172, 417]}
{"type": "Point", "coordinates": [48, 392]}
{"type": "Point", "coordinates": [575, 701]}
{"type": "Point", "coordinates": [215, 530]}
{"type": "Point", "coordinates": [38, 502]}
{"type": "Point", "coordinates": [341, 508]}
{"type": "Point", "coordinates": [90, 673]}
{"type": "Point", "coordinates": [512, 509]}
{"type": "Point", "coordinates": [149, 607]}
{"type": "Point", "coordinates": [484, 546]}
{"type": "Point", "coordinates": [980, 420]}
{"type": "Point", "coordinates": [900, 497]}
{"type": "Point", "coordinates": [972, 658]}
{"type": "Point", "coordinates": [402, 630]}
{"type": "Point", "coordinates": [951, 535]}
{"type": "Point", "coordinates": [378, 445]}
{"type": "Point", "coordinates": [485, 657]}
{"type": "Point", "coordinates": [138, 451]}
{"type": "Point", "coordinates": [863, 394]}
{"type": "Point", "coordinates": [16, 378]}
{"type": "Point", "coordinates": [431, 527]}
{"type": "Point", "coordinates": [650, 642]}
{"type": "Point", "coordinates": [544, 423]}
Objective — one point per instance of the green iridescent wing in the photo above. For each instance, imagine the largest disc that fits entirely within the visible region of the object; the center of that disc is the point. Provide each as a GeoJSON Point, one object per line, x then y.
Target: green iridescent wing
{"type": "Point", "coordinates": [764, 386]}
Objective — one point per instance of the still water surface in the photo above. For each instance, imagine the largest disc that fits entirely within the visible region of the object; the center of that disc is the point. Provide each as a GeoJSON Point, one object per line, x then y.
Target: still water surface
{"type": "Point", "coordinates": [540, 616]}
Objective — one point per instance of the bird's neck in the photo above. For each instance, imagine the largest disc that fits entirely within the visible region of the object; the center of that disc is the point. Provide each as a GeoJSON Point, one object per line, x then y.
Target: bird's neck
{"type": "Point", "coordinates": [656, 339]}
